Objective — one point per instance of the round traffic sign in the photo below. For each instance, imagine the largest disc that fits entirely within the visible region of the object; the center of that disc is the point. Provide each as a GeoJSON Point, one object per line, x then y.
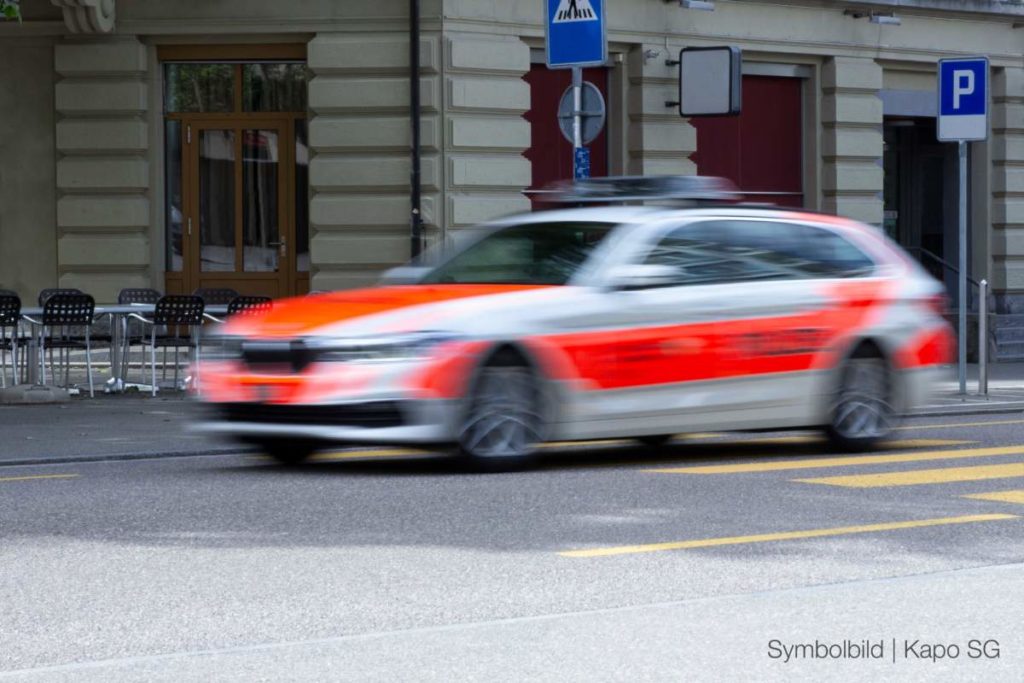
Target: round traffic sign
{"type": "Point", "coordinates": [592, 113]}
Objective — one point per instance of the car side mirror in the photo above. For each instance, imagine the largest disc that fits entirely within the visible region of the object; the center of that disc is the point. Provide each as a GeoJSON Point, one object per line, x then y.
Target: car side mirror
{"type": "Point", "coordinates": [642, 276]}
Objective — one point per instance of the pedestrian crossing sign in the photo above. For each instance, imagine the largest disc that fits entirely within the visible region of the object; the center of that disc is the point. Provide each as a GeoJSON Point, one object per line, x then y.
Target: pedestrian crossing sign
{"type": "Point", "coordinates": [575, 33]}
{"type": "Point", "coordinates": [574, 10]}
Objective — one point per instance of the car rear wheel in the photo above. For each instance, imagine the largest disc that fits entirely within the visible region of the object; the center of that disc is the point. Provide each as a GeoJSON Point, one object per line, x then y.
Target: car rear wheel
{"type": "Point", "coordinates": [287, 451]}
{"type": "Point", "coordinates": [503, 426]}
{"type": "Point", "coordinates": [862, 413]}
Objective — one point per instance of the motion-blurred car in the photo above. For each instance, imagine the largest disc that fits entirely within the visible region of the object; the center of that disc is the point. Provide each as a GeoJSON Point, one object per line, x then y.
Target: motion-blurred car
{"type": "Point", "coordinates": [589, 323]}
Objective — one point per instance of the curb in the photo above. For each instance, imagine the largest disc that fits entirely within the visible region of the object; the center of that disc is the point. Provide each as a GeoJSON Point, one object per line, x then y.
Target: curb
{"type": "Point", "coordinates": [238, 450]}
{"type": "Point", "coordinates": [972, 409]}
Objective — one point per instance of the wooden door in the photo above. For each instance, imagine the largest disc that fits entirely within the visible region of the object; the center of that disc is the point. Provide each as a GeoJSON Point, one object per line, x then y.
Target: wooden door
{"type": "Point", "coordinates": [238, 230]}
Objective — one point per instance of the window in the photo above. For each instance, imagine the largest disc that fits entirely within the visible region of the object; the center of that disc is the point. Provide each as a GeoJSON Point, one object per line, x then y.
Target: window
{"type": "Point", "coordinates": [736, 251]}
{"type": "Point", "coordinates": [205, 87]}
{"type": "Point", "coordinates": [536, 253]}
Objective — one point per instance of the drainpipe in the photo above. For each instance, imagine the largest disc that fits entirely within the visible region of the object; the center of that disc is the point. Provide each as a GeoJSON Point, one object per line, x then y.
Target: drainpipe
{"type": "Point", "coordinates": [416, 222]}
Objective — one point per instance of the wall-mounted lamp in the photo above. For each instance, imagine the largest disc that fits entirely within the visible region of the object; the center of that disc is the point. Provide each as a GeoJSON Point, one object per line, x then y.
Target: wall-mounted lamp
{"type": "Point", "coordinates": [886, 18]}
{"type": "Point", "coordinates": [706, 5]}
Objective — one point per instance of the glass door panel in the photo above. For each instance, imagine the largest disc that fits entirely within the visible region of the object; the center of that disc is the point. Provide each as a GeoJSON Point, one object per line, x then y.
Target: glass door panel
{"type": "Point", "coordinates": [217, 243]}
{"type": "Point", "coordinates": [263, 242]}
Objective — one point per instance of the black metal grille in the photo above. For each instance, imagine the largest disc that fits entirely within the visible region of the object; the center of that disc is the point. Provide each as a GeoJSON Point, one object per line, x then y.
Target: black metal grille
{"type": "Point", "coordinates": [376, 414]}
{"type": "Point", "coordinates": [293, 355]}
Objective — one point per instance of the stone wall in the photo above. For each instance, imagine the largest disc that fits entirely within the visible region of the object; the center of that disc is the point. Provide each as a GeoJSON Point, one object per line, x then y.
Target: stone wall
{"type": "Point", "coordinates": [360, 138]}
{"type": "Point", "coordinates": [28, 234]}
{"type": "Point", "coordinates": [485, 133]}
{"type": "Point", "coordinates": [102, 166]}
{"type": "Point", "coordinates": [852, 140]}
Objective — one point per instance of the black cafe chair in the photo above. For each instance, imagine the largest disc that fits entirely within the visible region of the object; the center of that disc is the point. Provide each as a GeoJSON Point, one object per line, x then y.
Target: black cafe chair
{"type": "Point", "coordinates": [249, 305]}
{"type": "Point", "coordinates": [182, 316]}
{"type": "Point", "coordinates": [10, 318]}
{"type": "Point", "coordinates": [63, 312]}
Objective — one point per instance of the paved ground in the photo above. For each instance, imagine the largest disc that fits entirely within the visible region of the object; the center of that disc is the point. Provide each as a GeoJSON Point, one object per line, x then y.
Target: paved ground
{"type": "Point", "coordinates": [698, 561]}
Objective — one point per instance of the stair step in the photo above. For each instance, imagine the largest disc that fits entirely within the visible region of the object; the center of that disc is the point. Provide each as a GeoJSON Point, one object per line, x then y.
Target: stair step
{"type": "Point", "coordinates": [1009, 334]}
{"type": "Point", "coordinates": [1009, 320]}
{"type": "Point", "coordinates": [1009, 350]}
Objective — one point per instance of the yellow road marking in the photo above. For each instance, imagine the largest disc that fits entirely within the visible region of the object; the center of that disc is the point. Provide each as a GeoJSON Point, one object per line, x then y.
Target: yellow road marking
{"type": "Point", "coordinates": [945, 475]}
{"type": "Point", "coordinates": [1000, 496]}
{"type": "Point", "coordinates": [598, 442]}
{"type": "Point", "coordinates": [39, 476]}
{"type": "Point", "coordinates": [359, 455]}
{"type": "Point", "coordinates": [959, 424]}
{"type": "Point", "coordinates": [781, 536]}
{"type": "Point", "coordinates": [848, 461]}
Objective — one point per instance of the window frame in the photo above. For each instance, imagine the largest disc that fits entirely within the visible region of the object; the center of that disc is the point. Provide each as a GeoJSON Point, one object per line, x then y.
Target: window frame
{"type": "Point", "coordinates": [641, 256]}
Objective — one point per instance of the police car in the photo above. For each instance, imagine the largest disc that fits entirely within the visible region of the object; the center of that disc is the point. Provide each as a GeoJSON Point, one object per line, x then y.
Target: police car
{"type": "Point", "coordinates": [647, 308]}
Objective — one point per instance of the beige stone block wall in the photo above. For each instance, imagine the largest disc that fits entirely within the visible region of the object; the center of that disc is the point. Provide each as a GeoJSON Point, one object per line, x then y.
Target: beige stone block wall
{"type": "Point", "coordinates": [852, 143]}
{"type": "Point", "coordinates": [658, 141]}
{"type": "Point", "coordinates": [28, 233]}
{"type": "Point", "coordinates": [360, 138]}
{"type": "Point", "coordinates": [485, 133]}
{"type": "Point", "coordinates": [1007, 150]}
{"type": "Point", "coordinates": [102, 173]}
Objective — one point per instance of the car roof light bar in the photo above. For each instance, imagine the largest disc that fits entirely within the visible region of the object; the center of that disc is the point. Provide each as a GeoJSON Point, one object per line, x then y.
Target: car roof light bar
{"type": "Point", "coordinates": [644, 188]}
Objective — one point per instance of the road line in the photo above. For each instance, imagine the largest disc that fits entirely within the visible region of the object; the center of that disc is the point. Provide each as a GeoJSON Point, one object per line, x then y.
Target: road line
{"type": "Point", "coordinates": [1000, 496]}
{"type": "Point", "coordinates": [944, 475]}
{"type": "Point", "coordinates": [848, 461]}
{"type": "Point", "coordinates": [781, 536]}
{"type": "Point", "coordinates": [359, 455]}
{"type": "Point", "coordinates": [39, 476]}
{"type": "Point", "coordinates": [958, 424]}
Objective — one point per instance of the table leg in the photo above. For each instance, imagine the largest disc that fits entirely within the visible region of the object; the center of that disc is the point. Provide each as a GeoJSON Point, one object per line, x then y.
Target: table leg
{"type": "Point", "coordinates": [32, 354]}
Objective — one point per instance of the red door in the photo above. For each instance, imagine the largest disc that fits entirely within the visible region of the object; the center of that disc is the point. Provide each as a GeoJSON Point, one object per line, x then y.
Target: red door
{"type": "Point", "coordinates": [550, 154]}
{"type": "Point", "coordinates": [761, 150]}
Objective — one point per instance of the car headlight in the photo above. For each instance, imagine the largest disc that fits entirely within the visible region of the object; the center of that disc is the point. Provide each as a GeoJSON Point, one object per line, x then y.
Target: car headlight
{"type": "Point", "coordinates": [382, 349]}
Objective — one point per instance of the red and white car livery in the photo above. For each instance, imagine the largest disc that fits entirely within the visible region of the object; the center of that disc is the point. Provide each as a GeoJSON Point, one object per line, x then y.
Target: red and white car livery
{"type": "Point", "coordinates": [590, 323]}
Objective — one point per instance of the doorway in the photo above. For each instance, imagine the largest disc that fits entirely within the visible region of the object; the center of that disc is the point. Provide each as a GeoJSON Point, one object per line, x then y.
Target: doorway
{"type": "Point", "coordinates": [236, 162]}
{"type": "Point", "coordinates": [920, 195]}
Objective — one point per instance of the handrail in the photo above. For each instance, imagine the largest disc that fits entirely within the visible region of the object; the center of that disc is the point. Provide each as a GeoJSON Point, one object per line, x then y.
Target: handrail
{"type": "Point", "coordinates": [941, 261]}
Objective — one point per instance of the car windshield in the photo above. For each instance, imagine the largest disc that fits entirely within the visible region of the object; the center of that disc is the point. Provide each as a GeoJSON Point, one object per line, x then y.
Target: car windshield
{"type": "Point", "coordinates": [535, 253]}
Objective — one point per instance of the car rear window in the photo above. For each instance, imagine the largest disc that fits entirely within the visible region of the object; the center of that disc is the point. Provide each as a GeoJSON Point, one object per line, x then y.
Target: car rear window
{"type": "Point", "coordinates": [747, 250]}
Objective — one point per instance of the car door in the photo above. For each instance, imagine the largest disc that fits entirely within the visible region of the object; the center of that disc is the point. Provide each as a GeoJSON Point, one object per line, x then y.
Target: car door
{"type": "Point", "coordinates": [729, 341]}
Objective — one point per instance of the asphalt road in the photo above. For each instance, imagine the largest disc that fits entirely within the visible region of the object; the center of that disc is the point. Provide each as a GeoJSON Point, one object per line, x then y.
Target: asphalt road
{"type": "Point", "coordinates": [706, 560]}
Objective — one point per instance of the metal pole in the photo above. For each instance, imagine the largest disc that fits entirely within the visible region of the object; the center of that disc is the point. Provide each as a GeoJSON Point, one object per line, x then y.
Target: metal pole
{"type": "Point", "coordinates": [962, 291]}
{"type": "Point", "coordinates": [577, 106]}
{"type": "Point", "coordinates": [983, 338]}
{"type": "Point", "coordinates": [415, 219]}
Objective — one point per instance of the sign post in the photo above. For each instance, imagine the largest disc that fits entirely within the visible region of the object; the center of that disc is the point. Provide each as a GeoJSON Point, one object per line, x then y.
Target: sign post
{"type": "Point", "coordinates": [575, 38]}
{"type": "Point", "coordinates": [963, 117]}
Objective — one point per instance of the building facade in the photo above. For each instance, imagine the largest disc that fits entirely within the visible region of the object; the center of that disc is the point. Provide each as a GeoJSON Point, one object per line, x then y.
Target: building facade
{"type": "Point", "coordinates": [265, 145]}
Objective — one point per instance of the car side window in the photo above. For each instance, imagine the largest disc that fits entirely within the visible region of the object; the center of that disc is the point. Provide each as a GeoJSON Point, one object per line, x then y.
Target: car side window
{"type": "Point", "coordinates": [714, 252]}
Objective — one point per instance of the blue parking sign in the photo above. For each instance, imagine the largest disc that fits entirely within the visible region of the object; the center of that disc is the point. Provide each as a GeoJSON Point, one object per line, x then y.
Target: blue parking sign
{"type": "Point", "coordinates": [963, 99]}
{"type": "Point", "coordinates": [575, 33]}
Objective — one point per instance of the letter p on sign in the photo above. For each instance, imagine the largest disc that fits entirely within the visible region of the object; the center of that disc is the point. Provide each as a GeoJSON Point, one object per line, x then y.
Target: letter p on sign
{"type": "Point", "coordinates": [963, 84]}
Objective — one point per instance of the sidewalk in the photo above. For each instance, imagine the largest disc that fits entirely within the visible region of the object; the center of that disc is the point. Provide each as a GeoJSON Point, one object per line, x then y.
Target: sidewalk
{"type": "Point", "coordinates": [108, 427]}
{"type": "Point", "coordinates": [133, 425]}
{"type": "Point", "coordinates": [1005, 392]}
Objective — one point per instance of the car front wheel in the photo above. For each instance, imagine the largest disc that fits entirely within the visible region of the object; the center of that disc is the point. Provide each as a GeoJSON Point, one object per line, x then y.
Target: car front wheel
{"type": "Point", "coordinates": [503, 426]}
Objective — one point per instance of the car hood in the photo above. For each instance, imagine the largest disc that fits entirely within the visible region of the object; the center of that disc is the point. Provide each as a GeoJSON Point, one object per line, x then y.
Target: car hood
{"type": "Point", "coordinates": [377, 310]}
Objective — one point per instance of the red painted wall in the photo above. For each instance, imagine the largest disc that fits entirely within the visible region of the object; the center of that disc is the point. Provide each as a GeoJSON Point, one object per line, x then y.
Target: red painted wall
{"type": "Point", "coordinates": [761, 150]}
{"type": "Point", "coordinates": [550, 154]}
